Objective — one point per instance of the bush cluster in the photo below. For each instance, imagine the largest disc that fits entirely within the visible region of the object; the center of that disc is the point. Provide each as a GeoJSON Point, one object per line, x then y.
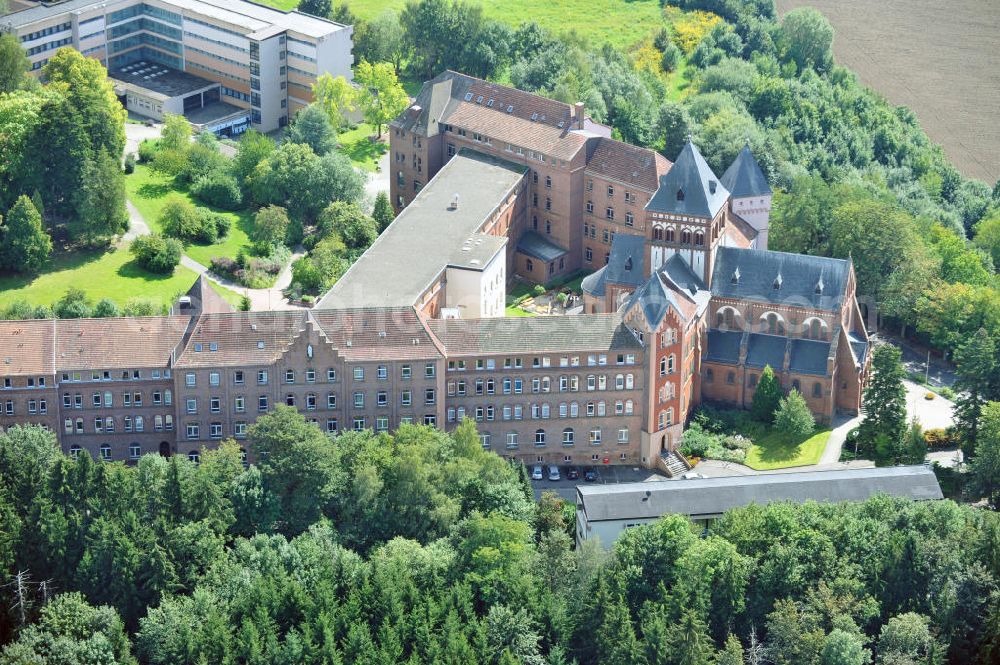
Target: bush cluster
{"type": "Point", "coordinates": [184, 221]}
{"type": "Point", "coordinates": [156, 253]}
{"type": "Point", "coordinates": [697, 442]}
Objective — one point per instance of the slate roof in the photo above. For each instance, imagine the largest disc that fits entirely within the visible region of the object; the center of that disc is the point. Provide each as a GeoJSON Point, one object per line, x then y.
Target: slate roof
{"type": "Point", "coordinates": [626, 163]}
{"type": "Point", "coordinates": [766, 350]}
{"type": "Point", "coordinates": [538, 246]}
{"type": "Point", "coordinates": [723, 347]}
{"type": "Point", "coordinates": [542, 334]}
{"type": "Point", "coordinates": [654, 298]}
{"type": "Point", "coordinates": [377, 334]}
{"type": "Point", "coordinates": [858, 346]}
{"type": "Point", "coordinates": [121, 342]}
{"type": "Point", "coordinates": [800, 276]}
{"type": "Point", "coordinates": [27, 347]}
{"type": "Point", "coordinates": [744, 178]}
{"type": "Point", "coordinates": [711, 497]}
{"type": "Point", "coordinates": [809, 357]}
{"type": "Point", "coordinates": [627, 264]}
{"type": "Point", "coordinates": [593, 284]}
{"type": "Point", "coordinates": [703, 194]}
{"type": "Point", "coordinates": [678, 270]}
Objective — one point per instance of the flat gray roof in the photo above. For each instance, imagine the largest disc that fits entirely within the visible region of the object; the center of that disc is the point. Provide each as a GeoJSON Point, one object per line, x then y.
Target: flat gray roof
{"type": "Point", "coordinates": [213, 112]}
{"type": "Point", "coordinates": [711, 497]}
{"type": "Point", "coordinates": [160, 80]}
{"type": "Point", "coordinates": [250, 16]}
{"type": "Point", "coordinates": [429, 234]}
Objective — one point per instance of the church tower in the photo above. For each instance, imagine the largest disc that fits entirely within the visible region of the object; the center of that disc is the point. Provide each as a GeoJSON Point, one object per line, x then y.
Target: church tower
{"type": "Point", "coordinates": [687, 215]}
{"type": "Point", "coordinates": [751, 195]}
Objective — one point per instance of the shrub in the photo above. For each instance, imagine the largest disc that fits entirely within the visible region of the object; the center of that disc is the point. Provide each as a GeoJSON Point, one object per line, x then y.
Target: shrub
{"type": "Point", "coordinates": [696, 442]}
{"type": "Point", "coordinates": [946, 392]}
{"type": "Point", "coordinates": [245, 304]}
{"type": "Point", "coordinates": [223, 265]}
{"type": "Point", "coordinates": [147, 151]}
{"type": "Point", "coordinates": [793, 416]}
{"type": "Point", "coordinates": [156, 253]}
{"type": "Point", "coordinates": [105, 309]}
{"type": "Point", "coordinates": [218, 189]}
{"type": "Point", "coordinates": [941, 438]}
{"type": "Point", "coordinates": [539, 290]}
{"type": "Point", "coordinates": [270, 226]}
{"type": "Point", "coordinates": [142, 307]}
{"type": "Point", "coordinates": [73, 305]}
{"type": "Point", "coordinates": [308, 300]}
{"type": "Point", "coordinates": [671, 56]}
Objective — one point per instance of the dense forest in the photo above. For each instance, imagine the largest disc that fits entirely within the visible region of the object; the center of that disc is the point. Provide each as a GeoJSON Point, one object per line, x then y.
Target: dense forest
{"type": "Point", "coordinates": [421, 547]}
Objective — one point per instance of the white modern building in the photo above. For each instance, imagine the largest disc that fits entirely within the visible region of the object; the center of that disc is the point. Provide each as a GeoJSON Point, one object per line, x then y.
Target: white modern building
{"type": "Point", "coordinates": [226, 64]}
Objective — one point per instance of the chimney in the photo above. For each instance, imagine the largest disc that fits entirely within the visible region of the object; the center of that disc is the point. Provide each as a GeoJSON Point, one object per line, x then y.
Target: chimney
{"type": "Point", "coordinates": [578, 114]}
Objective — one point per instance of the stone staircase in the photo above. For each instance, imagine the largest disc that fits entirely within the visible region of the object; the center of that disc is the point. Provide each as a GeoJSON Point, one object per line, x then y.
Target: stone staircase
{"type": "Point", "coordinates": [673, 464]}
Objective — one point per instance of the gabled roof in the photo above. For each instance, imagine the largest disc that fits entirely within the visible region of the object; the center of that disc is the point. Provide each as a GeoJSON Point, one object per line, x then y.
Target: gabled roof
{"type": "Point", "coordinates": [121, 342]}
{"type": "Point", "coordinates": [744, 178]}
{"type": "Point", "coordinates": [626, 163]}
{"type": "Point", "coordinates": [27, 347]}
{"type": "Point", "coordinates": [205, 299]}
{"type": "Point", "coordinates": [540, 334]}
{"type": "Point", "coordinates": [241, 338]}
{"type": "Point", "coordinates": [680, 273]}
{"type": "Point", "coordinates": [689, 188]}
{"type": "Point", "coordinates": [534, 122]}
{"type": "Point", "coordinates": [361, 334]}
{"type": "Point", "coordinates": [815, 282]}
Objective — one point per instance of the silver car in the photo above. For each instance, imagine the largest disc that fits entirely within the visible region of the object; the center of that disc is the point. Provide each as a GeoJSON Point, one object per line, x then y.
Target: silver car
{"type": "Point", "coordinates": [536, 472]}
{"type": "Point", "coordinates": [554, 473]}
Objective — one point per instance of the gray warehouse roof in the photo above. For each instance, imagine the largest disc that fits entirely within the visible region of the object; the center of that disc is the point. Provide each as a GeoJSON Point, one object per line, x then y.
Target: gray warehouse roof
{"type": "Point", "coordinates": [711, 497]}
{"type": "Point", "coordinates": [429, 234]}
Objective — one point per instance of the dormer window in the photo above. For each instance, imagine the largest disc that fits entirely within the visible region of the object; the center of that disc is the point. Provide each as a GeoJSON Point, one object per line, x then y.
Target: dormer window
{"type": "Point", "coordinates": [468, 96]}
{"type": "Point", "coordinates": [680, 194]}
{"type": "Point", "coordinates": [711, 186]}
{"type": "Point", "coordinates": [628, 263]}
{"type": "Point", "coordinates": [819, 287]}
{"type": "Point", "coordinates": [736, 277]}
{"type": "Point", "coordinates": [777, 282]}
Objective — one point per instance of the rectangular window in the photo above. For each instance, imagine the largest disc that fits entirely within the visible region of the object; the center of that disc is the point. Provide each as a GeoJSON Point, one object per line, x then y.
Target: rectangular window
{"type": "Point", "coordinates": [359, 400]}
{"type": "Point", "coordinates": [406, 398]}
{"type": "Point", "coordinates": [189, 379]}
{"type": "Point", "coordinates": [359, 373]}
{"type": "Point", "coordinates": [405, 372]}
{"type": "Point", "coordinates": [262, 404]}
{"type": "Point", "coordinates": [262, 377]}
{"type": "Point", "coordinates": [429, 370]}
{"type": "Point", "coordinates": [331, 375]}
{"type": "Point", "coordinates": [213, 378]}
{"type": "Point", "coordinates": [238, 377]}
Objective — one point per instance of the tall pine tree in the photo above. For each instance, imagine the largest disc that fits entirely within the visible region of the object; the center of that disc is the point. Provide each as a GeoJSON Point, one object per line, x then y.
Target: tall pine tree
{"type": "Point", "coordinates": [977, 382]}
{"type": "Point", "coordinates": [766, 397]}
{"type": "Point", "coordinates": [885, 404]}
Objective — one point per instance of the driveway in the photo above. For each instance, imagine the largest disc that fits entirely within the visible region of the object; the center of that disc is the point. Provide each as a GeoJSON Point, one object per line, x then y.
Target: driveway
{"type": "Point", "coordinates": [607, 475]}
{"type": "Point", "coordinates": [931, 413]}
{"type": "Point", "coordinates": [379, 180]}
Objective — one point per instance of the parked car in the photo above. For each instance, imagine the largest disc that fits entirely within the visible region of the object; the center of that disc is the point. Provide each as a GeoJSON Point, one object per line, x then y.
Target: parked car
{"type": "Point", "coordinates": [590, 475]}
{"type": "Point", "coordinates": [693, 475]}
{"type": "Point", "coordinates": [536, 472]}
{"type": "Point", "coordinates": [554, 473]}
{"type": "Point", "coordinates": [572, 473]}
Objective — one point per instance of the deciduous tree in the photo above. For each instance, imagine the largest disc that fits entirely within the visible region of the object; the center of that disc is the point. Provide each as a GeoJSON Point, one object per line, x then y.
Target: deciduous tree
{"type": "Point", "coordinates": [382, 97]}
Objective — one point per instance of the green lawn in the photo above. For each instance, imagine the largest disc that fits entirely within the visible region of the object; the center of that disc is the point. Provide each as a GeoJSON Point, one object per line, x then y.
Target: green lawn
{"type": "Point", "coordinates": [101, 274]}
{"type": "Point", "coordinates": [149, 191]}
{"type": "Point", "coordinates": [517, 312]}
{"type": "Point", "coordinates": [775, 450]}
{"type": "Point", "coordinates": [357, 144]}
{"type": "Point", "coordinates": [619, 22]}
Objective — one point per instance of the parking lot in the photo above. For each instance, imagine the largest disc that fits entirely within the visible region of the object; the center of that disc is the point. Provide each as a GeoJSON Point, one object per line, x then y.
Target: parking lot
{"type": "Point", "coordinates": [605, 474]}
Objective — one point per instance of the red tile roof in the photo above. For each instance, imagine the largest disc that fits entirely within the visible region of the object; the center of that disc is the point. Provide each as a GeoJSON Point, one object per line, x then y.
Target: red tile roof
{"type": "Point", "coordinates": [241, 338]}
{"type": "Point", "coordinates": [26, 347]}
{"type": "Point", "coordinates": [627, 164]}
{"type": "Point", "coordinates": [378, 334]}
{"type": "Point", "coordinates": [124, 342]}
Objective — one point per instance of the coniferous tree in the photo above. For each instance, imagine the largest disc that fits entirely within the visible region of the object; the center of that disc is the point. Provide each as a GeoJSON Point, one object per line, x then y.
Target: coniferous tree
{"type": "Point", "coordinates": [978, 380]}
{"type": "Point", "coordinates": [24, 245]}
{"type": "Point", "coordinates": [766, 397]}
{"type": "Point", "coordinates": [382, 212]}
{"type": "Point", "coordinates": [885, 405]}
{"type": "Point", "coordinates": [793, 416]}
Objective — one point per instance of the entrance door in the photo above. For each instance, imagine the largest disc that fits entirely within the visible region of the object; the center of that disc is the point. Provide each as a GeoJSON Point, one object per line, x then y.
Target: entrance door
{"type": "Point", "coordinates": [164, 449]}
